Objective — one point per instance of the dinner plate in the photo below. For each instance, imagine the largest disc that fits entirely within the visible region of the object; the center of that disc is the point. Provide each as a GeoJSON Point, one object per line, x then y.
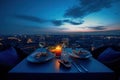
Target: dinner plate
{"type": "Point", "coordinates": [41, 59]}
{"type": "Point", "coordinates": [81, 56]}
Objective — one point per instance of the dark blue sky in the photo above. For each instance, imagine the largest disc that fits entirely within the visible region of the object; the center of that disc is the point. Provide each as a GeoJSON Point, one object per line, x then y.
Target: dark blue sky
{"type": "Point", "coordinates": [59, 16]}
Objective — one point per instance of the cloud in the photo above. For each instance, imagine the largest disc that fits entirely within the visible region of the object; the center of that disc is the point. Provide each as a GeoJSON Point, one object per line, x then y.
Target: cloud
{"type": "Point", "coordinates": [57, 22]}
{"type": "Point", "coordinates": [74, 21]}
{"type": "Point", "coordinates": [31, 18]}
{"type": "Point", "coordinates": [87, 7]}
{"type": "Point", "coordinates": [98, 28]}
{"type": "Point", "coordinates": [61, 22]}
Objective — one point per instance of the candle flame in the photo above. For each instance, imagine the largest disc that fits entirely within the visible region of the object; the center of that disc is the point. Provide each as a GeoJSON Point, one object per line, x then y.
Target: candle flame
{"type": "Point", "coordinates": [58, 48]}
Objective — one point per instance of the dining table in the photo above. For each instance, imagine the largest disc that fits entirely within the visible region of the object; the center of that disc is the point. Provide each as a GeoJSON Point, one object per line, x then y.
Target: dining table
{"type": "Point", "coordinates": [81, 69]}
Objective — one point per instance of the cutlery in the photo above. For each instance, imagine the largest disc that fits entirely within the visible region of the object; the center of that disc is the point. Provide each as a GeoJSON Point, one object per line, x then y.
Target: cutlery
{"type": "Point", "coordinates": [81, 66]}
{"type": "Point", "coordinates": [76, 66]}
{"type": "Point", "coordinates": [85, 69]}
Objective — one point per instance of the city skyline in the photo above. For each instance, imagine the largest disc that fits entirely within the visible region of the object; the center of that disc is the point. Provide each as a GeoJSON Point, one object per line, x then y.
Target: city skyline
{"type": "Point", "coordinates": [60, 16]}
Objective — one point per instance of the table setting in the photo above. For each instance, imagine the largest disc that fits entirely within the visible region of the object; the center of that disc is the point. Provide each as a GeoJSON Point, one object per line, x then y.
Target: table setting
{"type": "Point", "coordinates": [64, 55]}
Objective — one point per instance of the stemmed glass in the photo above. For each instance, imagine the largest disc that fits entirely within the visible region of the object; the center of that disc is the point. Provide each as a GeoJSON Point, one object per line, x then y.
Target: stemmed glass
{"type": "Point", "coordinates": [64, 47]}
{"type": "Point", "coordinates": [64, 55]}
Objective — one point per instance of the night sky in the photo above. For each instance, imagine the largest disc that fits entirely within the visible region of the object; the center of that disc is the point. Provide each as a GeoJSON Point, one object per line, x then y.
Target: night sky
{"type": "Point", "coordinates": [59, 16]}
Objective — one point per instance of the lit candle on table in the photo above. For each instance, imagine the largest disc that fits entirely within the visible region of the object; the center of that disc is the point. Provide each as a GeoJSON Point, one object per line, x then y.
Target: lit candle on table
{"type": "Point", "coordinates": [58, 50]}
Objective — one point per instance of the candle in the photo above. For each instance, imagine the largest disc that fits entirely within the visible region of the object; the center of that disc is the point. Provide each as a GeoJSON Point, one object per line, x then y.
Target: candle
{"type": "Point", "coordinates": [58, 50]}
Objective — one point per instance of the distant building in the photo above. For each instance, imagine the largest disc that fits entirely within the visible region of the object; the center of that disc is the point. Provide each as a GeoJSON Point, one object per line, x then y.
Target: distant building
{"type": "Point", "coordinates": [29, 40]}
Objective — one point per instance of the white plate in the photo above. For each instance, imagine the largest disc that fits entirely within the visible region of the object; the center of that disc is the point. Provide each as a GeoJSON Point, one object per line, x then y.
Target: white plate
{"type": "Point", "coordinates": [82, 56]}
{"type": "Point", "coordinates": [33, 59]}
